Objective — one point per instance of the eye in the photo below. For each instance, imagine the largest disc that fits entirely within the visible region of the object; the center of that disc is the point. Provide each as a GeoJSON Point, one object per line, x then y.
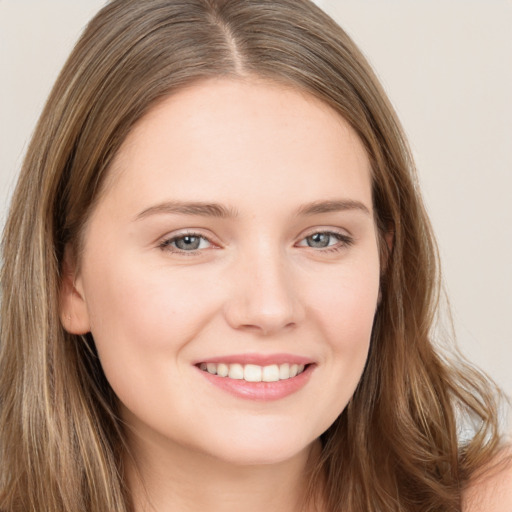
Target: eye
{"type": "Point", "coordinates": [326, 240]}
{"type": "Point", "coordinates": [188, 242]}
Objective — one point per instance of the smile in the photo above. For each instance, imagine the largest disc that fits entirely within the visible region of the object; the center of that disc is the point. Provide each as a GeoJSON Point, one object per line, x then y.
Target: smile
{"type": "Point", "coordinates": [260, 377]}
{"type": "Point", "coordinates": [253, 372]}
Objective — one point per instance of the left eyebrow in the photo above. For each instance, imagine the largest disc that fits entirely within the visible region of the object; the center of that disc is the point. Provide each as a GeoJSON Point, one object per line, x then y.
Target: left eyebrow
{"type": "Point", "coordinates": [341, 205]}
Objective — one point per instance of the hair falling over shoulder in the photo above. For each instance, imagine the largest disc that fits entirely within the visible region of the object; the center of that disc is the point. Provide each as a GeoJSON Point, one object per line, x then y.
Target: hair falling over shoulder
{"type": "Point", "coordinates": [397, 446]}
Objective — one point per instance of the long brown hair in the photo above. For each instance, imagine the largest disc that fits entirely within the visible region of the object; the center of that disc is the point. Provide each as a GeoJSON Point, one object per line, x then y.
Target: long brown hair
{"type": "Point", "coordinates": [396, 446]}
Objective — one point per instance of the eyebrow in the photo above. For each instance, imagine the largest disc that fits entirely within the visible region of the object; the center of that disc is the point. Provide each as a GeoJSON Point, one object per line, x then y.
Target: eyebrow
{"type": "Point", "coordinates": [190, 208]}
{"type": "Point", "coordinates": [203, 209]}
{"type": "Point", "coordinates": [317, 207]}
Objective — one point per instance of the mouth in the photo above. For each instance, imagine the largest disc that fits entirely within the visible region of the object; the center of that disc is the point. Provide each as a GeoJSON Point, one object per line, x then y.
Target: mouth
{"type": "Point", "coordinates": [260, 377]}
{"type": "Point", "coordinates": [254, 372]}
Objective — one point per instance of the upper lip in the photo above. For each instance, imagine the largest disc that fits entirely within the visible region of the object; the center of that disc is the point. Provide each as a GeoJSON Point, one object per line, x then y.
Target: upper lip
{"type": "Point", "coordinates": [258, 359]}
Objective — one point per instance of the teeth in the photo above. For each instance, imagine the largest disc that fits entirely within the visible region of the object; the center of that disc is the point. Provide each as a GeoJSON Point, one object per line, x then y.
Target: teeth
{"type": "Point", "coordinates": [236, 371]}
{"type": "Point", "coordinates": [270, 373]}
{"type": "Point", "coordinates": [253, 372]}
{"type": "Point", "coordinates": [222, 370]}
{"type": "Point", "coordinates": [284, 371]}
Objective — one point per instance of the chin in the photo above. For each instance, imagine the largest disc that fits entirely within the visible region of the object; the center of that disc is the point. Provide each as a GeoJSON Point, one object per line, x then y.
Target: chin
{"type": "Point", "coordinates": [251, 448]}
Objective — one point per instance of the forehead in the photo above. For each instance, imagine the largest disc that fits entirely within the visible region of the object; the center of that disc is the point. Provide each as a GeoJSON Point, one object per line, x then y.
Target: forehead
{"type": "Point", "coordinates": [224, 135]}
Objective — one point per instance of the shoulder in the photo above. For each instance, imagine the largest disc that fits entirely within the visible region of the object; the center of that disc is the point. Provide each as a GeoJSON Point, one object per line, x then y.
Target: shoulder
{"type": "Point", "coordinates": [491, 490]}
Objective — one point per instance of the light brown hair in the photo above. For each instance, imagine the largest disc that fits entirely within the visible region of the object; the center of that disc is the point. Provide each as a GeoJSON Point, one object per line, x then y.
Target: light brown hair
{"type": "Point", "coordinates": [396, 445]}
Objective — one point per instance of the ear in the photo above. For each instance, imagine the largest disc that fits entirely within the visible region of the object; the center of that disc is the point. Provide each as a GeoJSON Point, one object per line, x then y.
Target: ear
{"type": "Point", "coordinates": [74, 314]}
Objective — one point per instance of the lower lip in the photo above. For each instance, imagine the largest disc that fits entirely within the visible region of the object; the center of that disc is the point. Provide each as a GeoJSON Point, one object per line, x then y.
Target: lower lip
{"type": "Point", "coordinates": [262, 391]}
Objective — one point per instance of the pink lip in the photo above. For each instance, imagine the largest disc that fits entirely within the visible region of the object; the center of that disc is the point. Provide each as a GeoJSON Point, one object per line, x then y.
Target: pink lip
{"type": "Point", "coordinates": [260, 391]}
{"type": "Point", "coordinates": [259, 359]}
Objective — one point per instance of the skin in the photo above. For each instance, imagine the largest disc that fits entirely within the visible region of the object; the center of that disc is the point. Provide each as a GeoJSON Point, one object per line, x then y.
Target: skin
{"type": "Point", "coordinates": [491, 489]}
{"type": "Point", "coordinates": [265, 153]}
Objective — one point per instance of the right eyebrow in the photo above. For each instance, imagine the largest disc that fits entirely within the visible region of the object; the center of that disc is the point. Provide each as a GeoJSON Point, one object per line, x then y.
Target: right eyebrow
{"type": "Point", "coordinates": [189, 208]}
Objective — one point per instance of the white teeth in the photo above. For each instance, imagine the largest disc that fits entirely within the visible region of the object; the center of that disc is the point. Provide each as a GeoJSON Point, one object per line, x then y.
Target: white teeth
{"type": "Point", "coordinates": [236, 371]}
{"type": "Point", "coordinates": [284, 371]}
{"type": "Point", "coordinates": [254, 372]}
{"type": "Point", "coordinates": [222, 370]}
{"type": "Point", "coordinates": [270, 373]}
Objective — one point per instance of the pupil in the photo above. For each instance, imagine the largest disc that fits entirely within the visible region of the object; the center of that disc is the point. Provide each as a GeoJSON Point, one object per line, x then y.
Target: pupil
{"type": "Point", "coordinates": [188, 242]}
{"type": "Point", "coordinates": [318, 240]}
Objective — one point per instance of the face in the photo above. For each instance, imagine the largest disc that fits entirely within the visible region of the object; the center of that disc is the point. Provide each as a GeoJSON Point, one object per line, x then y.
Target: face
{"type": "Point", "coordinates": [230, 272]}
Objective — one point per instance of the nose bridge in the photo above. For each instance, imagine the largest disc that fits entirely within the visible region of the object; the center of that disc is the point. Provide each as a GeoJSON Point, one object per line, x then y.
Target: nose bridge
{"type": "Point", "coordinates": [264, 297]}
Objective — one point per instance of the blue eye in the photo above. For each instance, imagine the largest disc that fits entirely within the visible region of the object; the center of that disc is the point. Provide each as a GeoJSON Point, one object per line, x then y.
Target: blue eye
{"type": "Point", "coordinates": [320, 240]}
{"type": "Point", "coordinates": [326, 240]}
{"type": "Point", "coordinates": [186, 243]}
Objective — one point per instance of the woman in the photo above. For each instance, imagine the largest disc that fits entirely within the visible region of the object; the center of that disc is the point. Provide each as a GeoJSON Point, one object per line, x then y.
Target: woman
{"type": "Point", "coordinates": [219, 282]}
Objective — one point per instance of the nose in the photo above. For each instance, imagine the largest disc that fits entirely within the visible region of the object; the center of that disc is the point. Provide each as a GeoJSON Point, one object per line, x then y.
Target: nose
{"type": "Point", "coordinates": [263, 297]}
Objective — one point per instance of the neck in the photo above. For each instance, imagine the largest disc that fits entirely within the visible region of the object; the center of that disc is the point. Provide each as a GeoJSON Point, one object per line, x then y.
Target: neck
{"type": "Point", "coordinates": [180, 479]}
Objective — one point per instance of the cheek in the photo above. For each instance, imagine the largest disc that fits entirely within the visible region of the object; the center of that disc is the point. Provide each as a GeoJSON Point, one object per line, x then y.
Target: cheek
{"type": "Point", "coordinates": [346, 305]}
{"type": "Point", "coordinates": [147, 307]}
{"type": "Point", "coordinates": [345, 312]}
{"type": "Point", "coordinates": [142, 318]}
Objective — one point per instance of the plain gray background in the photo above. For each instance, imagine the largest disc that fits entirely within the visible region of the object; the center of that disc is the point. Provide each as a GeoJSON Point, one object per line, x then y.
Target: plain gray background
{"type": "Point", "coordinates": [447, 67]}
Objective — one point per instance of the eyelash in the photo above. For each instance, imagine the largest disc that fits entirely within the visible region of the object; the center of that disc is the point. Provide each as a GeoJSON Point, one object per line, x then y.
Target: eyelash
{"type": "Point", "coordinates": [344, 241]}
